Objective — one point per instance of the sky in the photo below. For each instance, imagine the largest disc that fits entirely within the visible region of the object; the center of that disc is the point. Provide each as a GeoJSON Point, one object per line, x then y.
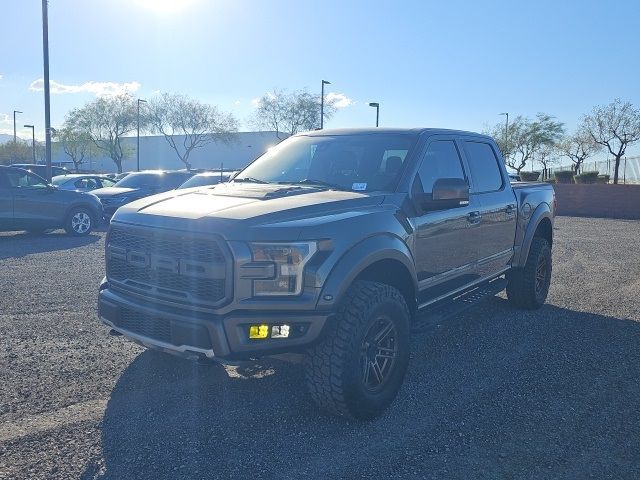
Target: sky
{"type": "Point", "coordinates": [454, 64]}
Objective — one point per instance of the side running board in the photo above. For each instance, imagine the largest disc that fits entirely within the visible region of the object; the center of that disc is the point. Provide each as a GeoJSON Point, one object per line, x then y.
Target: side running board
{"type": "Point", "coordinates": [434, 314]}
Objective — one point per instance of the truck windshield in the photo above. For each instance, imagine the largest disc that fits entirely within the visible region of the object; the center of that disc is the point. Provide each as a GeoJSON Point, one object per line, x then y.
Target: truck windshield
{"type": "Point", "coordinates": [365, 162]}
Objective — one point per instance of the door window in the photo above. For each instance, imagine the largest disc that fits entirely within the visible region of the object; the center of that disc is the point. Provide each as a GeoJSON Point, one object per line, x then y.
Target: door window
{"type": "Point", "coordinates": [442, 160]}
{"type": "Point", "coordinates": [19, 179]}
{"type": "Point", "coordinates": [485, 172]}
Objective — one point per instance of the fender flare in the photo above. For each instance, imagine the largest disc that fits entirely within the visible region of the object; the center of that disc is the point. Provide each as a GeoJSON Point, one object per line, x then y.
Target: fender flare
{"type": "Point", "coordinates": [360, 256]}
{"type": "Point", "coordinates": [541, 212]}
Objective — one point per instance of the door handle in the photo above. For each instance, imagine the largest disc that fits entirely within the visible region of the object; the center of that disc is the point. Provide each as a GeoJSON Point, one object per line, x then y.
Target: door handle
{"type": "Point", "coordinates": [474, 217]}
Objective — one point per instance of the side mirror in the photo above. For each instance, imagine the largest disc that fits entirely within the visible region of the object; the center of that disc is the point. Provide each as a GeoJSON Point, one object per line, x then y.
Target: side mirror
{"type": "Point", "coordinates": [446, 193]}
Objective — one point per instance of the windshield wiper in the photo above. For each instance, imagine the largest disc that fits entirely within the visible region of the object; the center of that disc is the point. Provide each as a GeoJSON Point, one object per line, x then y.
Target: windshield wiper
{"type": "Point", "coordinates": [319, 183]}
{"type": "Point", "coordinates": [249, 180]}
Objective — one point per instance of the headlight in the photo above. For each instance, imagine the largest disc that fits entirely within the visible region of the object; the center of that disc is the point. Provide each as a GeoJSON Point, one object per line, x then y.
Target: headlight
{"type": "Point", "coordinates": [289, 260]}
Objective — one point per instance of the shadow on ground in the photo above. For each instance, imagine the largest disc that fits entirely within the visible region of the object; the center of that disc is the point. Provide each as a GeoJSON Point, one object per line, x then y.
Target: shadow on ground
{"type": "Point", "coordinates": [495, 393]}
{"type": "Point", "coordinates": [19, 244]}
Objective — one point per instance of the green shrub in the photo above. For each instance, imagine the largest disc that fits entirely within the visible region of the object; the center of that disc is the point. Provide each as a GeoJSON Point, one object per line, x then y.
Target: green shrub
{"type": "Point", "coordinates": [564, 176]}
{"type": "Point", "coordinates": [603, 179]}
{"type": "Point", "coordinates": [529, 176]}
{"type": "Point", "coordinates": [586, 177]}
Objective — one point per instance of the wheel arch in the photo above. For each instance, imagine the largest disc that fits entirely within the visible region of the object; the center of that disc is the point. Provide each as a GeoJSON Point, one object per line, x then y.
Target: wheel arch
{"type": "Point", "coordinates": [382, 258]}
{"type": "Point", "coordinates": [540, 225]}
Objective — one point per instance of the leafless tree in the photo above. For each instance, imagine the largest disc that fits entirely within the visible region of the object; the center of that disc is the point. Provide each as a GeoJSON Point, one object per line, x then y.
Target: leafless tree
{"type": "Point", "coordinates": [615, 127]}
{"type": "Point", "coordinates": [290, 113]}
{"type": "Point", "coordinates": [105, 121]}
{"type": "Point", "coordinates": [187, 124]}
{"type": "Point", "coordinates": [577, 148]}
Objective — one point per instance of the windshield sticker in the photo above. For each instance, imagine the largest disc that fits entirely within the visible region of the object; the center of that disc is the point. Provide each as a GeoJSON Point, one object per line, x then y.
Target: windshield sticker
{"type": "Point", "coordinates": [359, 186]}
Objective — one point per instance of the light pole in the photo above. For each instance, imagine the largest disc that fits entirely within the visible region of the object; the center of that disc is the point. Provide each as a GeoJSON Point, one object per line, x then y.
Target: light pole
{"type": "Point", "coordinates": [33, 141]}
{"type": "Point", "coordinates": [15, 139]}
{"type": "Point", "coordinates": [377, 105]}
{"type": "Point", "coordinates": [138, 134]}
{"type": "Point", "coordinates": [47, 104]}
{"type": "Point", "coordinates": [506, 136]}
{"type": "Point", "coordinates": [324, 82]}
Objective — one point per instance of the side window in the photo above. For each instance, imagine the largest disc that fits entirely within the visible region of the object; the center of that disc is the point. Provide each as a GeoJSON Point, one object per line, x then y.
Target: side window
{"type": "Point", "coordinates": [485, 172]}
{"type": "Point", "coordinates": [19, 179]}
{"type": "Point", "coordinates": [4, 181]}
{"type": "Point", "coordinates": [107, 183]}
{"type": "Point", "coordinates": [442, 160]}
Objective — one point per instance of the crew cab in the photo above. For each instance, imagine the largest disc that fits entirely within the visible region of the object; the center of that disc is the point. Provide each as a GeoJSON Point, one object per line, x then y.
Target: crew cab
{"type": "Point", "coordinates": [335, 244]}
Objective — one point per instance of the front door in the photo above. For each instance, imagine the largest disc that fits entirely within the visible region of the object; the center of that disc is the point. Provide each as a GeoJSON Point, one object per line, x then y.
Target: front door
{"type": "Point", "coordinates": [6, 202]}
{"type": "Point", "coordinates": [34, 202]}
{"type": "Point", "coordinates": [445, 240]}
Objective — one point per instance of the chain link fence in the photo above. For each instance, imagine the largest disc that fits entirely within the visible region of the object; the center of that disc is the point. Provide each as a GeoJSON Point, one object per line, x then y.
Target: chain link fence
{"type": "Point", "coordinates": [628, 172]}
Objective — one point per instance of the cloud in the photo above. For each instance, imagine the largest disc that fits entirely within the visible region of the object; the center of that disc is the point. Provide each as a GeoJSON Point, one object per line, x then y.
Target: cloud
{"type": "Point", "coordinates": [4, 118]}
{"type": "Point", "coordinates": [100, 89]}
{"type": "Point", "coordinates": [255, 102]}
{"type": "Point", "coordinates": [237, 102]}
{"type": "Point", "coordinates": [1, 77]}
{"type": "Point", "coordinates": [340, 100]}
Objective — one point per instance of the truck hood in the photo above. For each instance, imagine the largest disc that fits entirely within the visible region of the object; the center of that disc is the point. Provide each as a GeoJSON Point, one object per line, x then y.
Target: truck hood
{"type": "Point", "coordinates": [236, 210]}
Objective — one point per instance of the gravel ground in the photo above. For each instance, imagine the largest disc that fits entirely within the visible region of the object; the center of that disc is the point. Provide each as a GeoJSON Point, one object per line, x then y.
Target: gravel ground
{"type": "Point", "coordinates": [492, 393]}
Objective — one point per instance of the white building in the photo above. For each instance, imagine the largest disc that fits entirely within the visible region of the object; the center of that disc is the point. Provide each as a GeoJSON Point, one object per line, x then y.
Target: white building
{"type": "Point", "coordinates": [155, 153]}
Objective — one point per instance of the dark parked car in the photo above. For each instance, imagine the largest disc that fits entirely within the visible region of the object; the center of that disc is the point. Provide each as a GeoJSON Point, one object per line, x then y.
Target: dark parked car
{"type": "Point", "coordinates": [138, 185]}
{"type": "Point", "coordinates": [28, 202]}
{"type": "Point", "coordinates": [329, 245]}
{"type": "Point", "coordinates": [207, 178]}
{"type": "Point", "coordinates": [41, 170]}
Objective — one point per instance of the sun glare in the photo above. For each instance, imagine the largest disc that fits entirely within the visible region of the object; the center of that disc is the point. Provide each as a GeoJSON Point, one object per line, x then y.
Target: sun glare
{"type": "Point", "coordinates": [165, 6]}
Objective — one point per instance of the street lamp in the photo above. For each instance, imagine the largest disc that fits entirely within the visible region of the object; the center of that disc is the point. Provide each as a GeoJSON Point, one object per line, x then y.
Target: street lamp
{"type": "Point", "coordinates": [377, 105]}
{"type": "Point", "coordinates": [506, 136]}
{"type": "Point", "coordinates": [138, 135]}
{"type": "Point", "coordinates": [324, 82]}
{"type": "Point", "coordinates": [33, 141]}
{"type": "Point", "coordinates": [15, 139]}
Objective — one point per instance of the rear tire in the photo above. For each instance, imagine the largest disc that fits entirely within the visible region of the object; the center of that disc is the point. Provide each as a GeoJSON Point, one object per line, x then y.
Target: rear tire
{"type": "Point", "coordinates": [358, 368]}
{"type": "Point", "coordinates": [79, 222]}
{"type": "Point", "coordinates": [528, 287]}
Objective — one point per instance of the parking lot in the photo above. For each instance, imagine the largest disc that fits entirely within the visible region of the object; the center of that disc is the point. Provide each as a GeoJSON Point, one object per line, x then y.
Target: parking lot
{"type": "Point", "coordinates": [492, 393]}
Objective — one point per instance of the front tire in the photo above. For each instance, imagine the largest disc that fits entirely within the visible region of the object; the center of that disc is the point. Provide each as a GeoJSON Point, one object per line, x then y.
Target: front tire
{"type": "Point", "coordinates": [79, 222]}
{"type": "Point", "coordinates": [528, 287]}
{"type": "Point", "coordinates": [358, 368]}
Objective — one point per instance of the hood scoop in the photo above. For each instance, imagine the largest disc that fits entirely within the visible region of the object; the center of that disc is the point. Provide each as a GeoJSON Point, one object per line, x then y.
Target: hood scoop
{"type": "Point", "coordinates": [259, 191]}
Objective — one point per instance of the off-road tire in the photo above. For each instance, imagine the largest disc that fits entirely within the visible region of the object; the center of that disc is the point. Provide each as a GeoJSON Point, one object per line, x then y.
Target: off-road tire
{"type": "Point", "coordinates": [71, 225]}
{"type": "Point", "coordinates": [336, 368]}
{"type": "Point", "coordinates": [526, 288]}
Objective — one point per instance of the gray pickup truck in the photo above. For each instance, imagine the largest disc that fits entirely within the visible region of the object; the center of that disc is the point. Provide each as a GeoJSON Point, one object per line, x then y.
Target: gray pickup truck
{"type": "Point", "coordinates": [335, 244]}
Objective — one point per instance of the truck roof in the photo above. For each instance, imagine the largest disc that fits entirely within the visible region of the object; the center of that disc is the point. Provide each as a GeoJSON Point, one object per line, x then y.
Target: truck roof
{"type": "Point", "coordinates": [378, 130]}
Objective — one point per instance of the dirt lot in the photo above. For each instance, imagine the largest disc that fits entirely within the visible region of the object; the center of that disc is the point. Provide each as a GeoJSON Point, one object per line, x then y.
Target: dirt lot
{"type": "Point", "coordinates": [493, 393]}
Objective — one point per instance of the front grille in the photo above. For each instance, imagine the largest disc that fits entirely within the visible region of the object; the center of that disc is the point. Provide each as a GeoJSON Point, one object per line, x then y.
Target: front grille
{"type": "Point", "coordinates": [173, 266]}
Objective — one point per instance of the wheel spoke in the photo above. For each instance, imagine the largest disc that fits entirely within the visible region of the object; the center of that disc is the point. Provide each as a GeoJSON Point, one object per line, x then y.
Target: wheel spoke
{"type": "Point", "coordinates": [383, 333]}
{"type": "Point", "coordinates": [377, 371]}
{"type": "Point", "coordinates": [366, 371]}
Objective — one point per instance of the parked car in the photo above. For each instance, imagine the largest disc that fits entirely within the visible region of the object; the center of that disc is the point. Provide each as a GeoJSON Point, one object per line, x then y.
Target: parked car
{"type": "Point", "coordinates": [207, 178]}
{"type": "Point", "coordinates": [329, 245]}
{"type": "Point", "coordinates": [82, 182]}
{"type": "Point", "coordinates": [28, 202]}
{"type": "Point", "coordinates": [514, 177]}
{"type": "Point", "coordinates": [138, 185]}
{"type": "Point", "coordinates": [41, 170]}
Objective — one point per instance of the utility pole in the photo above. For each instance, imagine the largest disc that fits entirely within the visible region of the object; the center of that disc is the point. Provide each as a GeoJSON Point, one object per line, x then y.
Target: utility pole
{"type": "Point", "coordinates": [324, 82]}
{"type": "Point", "coordinates": [47, 106]}
{"type": "Point", "coordinates": [377, 106]}
{"type": "Point", "coordinates": [138, 134]}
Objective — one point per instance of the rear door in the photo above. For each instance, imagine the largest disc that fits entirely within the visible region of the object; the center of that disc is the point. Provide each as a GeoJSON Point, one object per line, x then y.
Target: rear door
{"type": "Point", "coordinates": [6, 202]}
{"type": "Point", "coordinates": [445, 240]}
{"type": "Point", "coordinates": [497, 204]}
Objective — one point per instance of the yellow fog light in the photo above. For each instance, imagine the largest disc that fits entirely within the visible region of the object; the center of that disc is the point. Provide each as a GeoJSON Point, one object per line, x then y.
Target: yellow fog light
{"type": "Point", "coordinates": [259, 331]}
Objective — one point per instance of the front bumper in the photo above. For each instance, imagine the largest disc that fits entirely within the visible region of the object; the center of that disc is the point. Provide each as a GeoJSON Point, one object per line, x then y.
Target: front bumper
{"type": "Point", "coordinates": [197, 334]}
